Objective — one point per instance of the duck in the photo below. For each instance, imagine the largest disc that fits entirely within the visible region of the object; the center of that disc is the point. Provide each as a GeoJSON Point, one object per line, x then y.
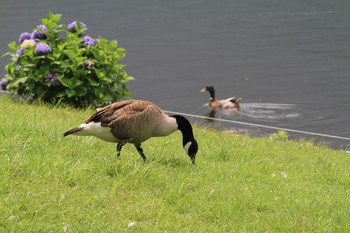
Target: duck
{"type": "Point", "coordinates": [135, 121]}
{"type": "Point", "coordinates": [229, 103]}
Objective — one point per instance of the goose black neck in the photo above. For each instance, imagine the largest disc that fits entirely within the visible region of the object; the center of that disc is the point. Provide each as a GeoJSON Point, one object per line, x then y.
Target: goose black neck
{"type": "Point", "coordinates": [185, 127]}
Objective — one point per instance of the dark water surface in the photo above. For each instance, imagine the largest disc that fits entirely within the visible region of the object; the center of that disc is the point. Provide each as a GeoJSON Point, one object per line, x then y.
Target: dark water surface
{"type": "Point", "coordinates": [288, 60]}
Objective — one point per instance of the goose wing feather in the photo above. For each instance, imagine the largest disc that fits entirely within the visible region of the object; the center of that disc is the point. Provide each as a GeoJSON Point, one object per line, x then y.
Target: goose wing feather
{"type": "Point", "coordinates": [136, 112]}
{"type": "Point", "coordinates": [105, 114]}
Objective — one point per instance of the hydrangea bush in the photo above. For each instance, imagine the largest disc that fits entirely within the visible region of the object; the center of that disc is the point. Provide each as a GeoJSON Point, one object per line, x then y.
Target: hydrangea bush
{"type": "Point", "coordinates": [56, 63]}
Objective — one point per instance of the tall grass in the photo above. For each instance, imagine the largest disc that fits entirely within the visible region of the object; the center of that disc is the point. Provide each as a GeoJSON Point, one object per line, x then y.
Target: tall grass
{"type": "Point", "coordinates": [51, 183]}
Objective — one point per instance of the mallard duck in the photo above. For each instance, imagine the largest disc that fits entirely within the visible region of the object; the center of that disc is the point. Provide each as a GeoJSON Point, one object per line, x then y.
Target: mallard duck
{"type": "Point", "coordinates": [135, 121]}
{"type": "Point", "coordinates": [230, 103]}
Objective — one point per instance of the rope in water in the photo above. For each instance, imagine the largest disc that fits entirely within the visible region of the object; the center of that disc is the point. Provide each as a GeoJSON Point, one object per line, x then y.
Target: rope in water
{"type": "Point", "coordinates": [259, 125]}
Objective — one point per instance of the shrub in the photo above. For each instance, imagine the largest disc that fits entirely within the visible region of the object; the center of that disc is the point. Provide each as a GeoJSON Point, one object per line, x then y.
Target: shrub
{"type": "Point", "coordinates": [56, 63]}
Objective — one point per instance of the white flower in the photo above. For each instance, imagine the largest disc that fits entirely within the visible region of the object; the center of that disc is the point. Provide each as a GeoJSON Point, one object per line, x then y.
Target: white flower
{"type": "Point", "coordinates": [28, 43]}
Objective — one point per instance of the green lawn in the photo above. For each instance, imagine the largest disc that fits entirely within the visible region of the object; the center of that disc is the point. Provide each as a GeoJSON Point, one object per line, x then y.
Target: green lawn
{"type": "Point", "coordinates": [51, 183]}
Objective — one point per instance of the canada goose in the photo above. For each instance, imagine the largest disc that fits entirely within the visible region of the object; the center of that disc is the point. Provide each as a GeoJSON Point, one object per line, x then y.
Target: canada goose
{"type": "Point", "coordinates": [135, 121]}
{"type": "Point", "coordinates": [230, 103]}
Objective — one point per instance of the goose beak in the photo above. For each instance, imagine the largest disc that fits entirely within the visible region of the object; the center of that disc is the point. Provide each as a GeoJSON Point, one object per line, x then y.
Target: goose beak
{"type": "Point", "coordinates": [204, 89]}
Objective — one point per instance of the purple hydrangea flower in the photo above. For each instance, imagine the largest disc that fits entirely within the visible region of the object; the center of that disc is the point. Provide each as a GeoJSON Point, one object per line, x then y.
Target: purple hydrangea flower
{"type": "Point", "coordinates": [71, 26]}
{"type": "Point", "coordinates": [88, 41]}
{"type": "Point", "coordinates": [52, 78]}
{"type": "Point", "coordinates": [24, 36]}
{"type": "Point", "coordinates": [42, 27]}
{"type": "Point", "coordinates": [20, 51]}
{"type": "Point", "coordinates": [39, 35]}
{"type": "Point", "coordinates": [3, 84]}
{"type": "Point", "coordinates": [42, 49]}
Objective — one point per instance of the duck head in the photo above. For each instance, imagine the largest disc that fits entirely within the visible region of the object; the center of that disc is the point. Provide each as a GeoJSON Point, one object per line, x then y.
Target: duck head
{"type": "Point", "coordinates": [211, 91]}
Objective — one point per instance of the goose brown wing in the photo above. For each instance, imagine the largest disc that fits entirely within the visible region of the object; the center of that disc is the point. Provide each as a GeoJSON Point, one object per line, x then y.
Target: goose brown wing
{"type": "Point", "coordinates": [106, 114]}
{"type": "Point", "coordinates": [137, 112]}
{"type": "Point", "coordinates": [135, 122]}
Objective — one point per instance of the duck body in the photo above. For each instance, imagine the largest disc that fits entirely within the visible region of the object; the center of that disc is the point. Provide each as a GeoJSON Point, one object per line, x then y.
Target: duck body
{"type": "Point", "coordinates": [135, 121]}
{"type": "Point", "coordinates": [229, 103]}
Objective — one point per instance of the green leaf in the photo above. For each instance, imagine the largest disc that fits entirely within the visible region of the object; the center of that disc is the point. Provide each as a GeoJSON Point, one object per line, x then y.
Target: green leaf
{"type": "Point", "coordinates": [113, 43]}
{"type": "Point", "coordinates": [100, 73]}
{"type": "Point", "coordinates": [13, 46]}
{"type": "Point", "coordinates": [18, 81]}
{"type": "Point", "coordinates": [70, 82]}
{"type": "Point", "coordinates": [47, 23]}
{"type": "Point", "coordinates": [7, 54]}
{"type": "Point", "coordinates": [40, 91]}
{"type": "Point", "coordinates": [70, 92]}
{"type": "Point", "coordinates": [55, 17]}
{"type": "Point", "coordinates": [70, 54]}
{"type": "Point", "coordinates": [61, 94]}
{"type": "Point", "coordinates": [81, 91]}
{"type": "Point", "coordinates": [128, 78]}
{"type": "Point", "coordinates": [79, 59]}
{"type": "Point", "coordinates": [28, 67]}
{"type": "Point", "coordinates": [94, 83]}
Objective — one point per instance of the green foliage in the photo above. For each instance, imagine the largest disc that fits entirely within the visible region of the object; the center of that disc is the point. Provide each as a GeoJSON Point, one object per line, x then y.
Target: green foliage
{"type": "Point", "coordinates": [51, 183]}
{"type": "Point", "coordinates": [61, 64]}
{"type": "Point", "coordinates": [280, 135]}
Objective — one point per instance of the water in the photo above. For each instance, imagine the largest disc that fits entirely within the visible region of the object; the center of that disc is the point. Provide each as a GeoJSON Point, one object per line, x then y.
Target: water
{"type": "Point", "coordinates": [288, 60]}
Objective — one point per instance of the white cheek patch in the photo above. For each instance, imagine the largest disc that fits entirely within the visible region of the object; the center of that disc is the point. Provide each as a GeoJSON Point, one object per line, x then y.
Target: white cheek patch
{"type": "Point", "coordinates": [187, 146]}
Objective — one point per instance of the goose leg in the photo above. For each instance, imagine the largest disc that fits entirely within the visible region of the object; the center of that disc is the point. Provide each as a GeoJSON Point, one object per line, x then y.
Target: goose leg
{"type": "Point", "coordinates": [119, 149]}
{"type": "Point", "coordinates": [139, 149]}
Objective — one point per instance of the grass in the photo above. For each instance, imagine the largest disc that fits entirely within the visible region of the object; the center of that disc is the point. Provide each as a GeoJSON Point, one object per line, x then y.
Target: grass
{"type": "Point", "coordinates": [51, 183]}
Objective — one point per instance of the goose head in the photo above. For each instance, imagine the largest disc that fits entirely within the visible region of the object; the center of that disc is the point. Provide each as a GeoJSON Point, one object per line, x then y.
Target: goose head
{"type": "Point", "coordinates": [211, 91]}
{"type": "Point", "coordinates": [189, 143]}
{"type": "Point", "coordinates": [191, 148]}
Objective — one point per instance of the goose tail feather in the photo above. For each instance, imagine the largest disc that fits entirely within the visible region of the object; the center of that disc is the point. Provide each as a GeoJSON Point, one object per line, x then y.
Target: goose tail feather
{"type": "Point", "coordinates": [72, 131]}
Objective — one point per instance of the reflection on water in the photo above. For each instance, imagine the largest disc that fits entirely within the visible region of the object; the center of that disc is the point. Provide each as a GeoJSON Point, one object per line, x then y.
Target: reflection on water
{"type": "Point", "coordinates": [272, 117]}
{"type": "Point", "coordinates": [271, 111]}
{"type": "Point", "coordinates": [261, 111]}
{"type": "Point", "coordinates": [211, 114]}
{"type": "Point", "coordinates": [268, 114]}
